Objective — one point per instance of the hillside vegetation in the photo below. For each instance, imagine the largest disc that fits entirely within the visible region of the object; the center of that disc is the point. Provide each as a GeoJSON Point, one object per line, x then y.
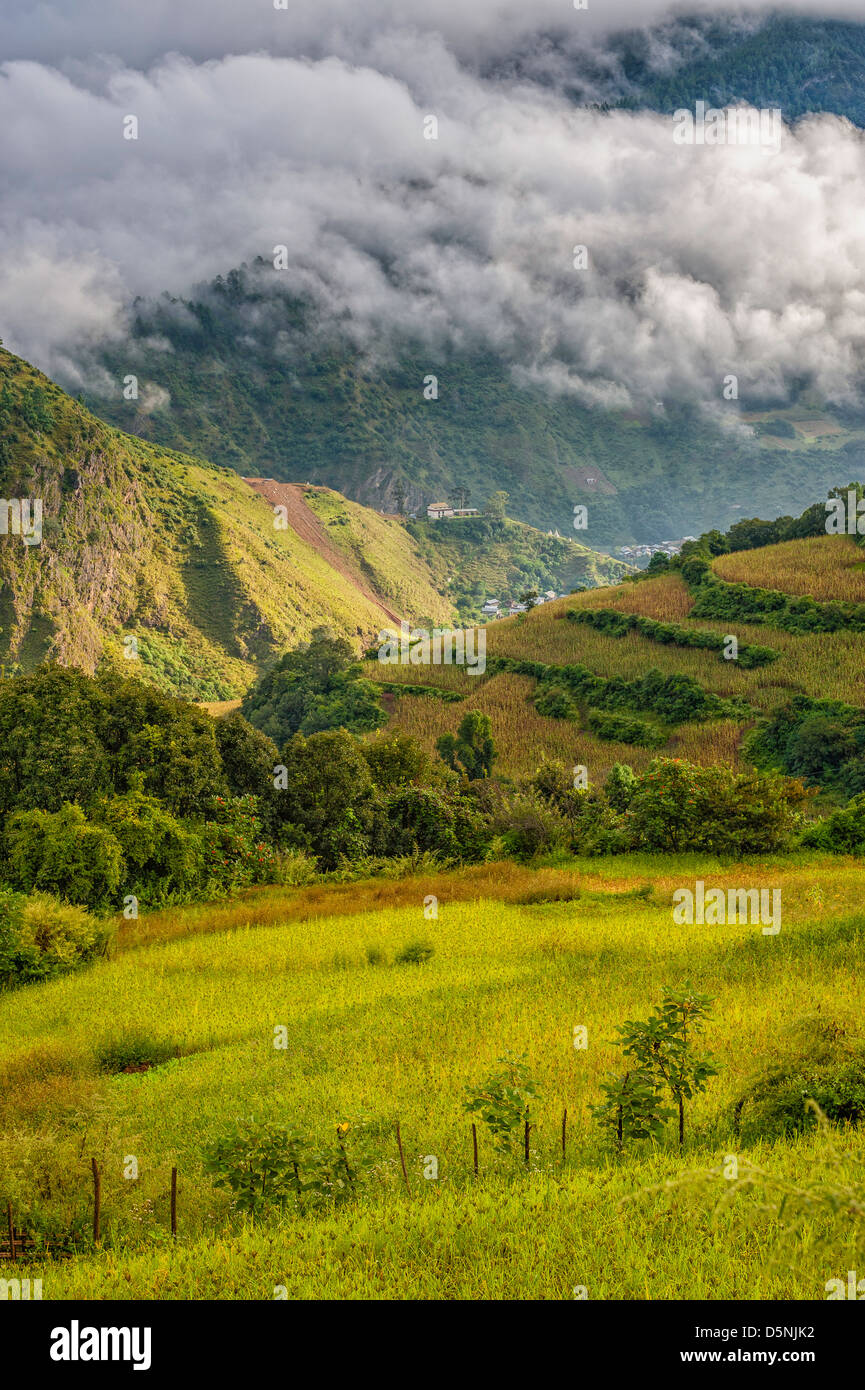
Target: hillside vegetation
{"type": "Point", "coordinates": [528, 655]}
{"type": "Point", "coordinates": [248, 384]}
{"type": "Point", "coordinates": [162, 558]}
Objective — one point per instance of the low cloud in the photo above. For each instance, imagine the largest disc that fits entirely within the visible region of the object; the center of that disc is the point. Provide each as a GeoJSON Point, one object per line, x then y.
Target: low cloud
{"type": "Point", "coordinates": [702, 261]}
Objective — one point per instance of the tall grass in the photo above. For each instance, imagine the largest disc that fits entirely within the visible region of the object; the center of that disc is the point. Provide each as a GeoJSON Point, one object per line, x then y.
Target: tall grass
{"type": "Point", "coordinates": [401, 1042]}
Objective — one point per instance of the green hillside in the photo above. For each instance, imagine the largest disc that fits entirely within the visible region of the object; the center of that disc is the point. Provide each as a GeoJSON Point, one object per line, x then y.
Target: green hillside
{"type": "Point", "coordinates": [142, 542]}
{"type": "Point", "coordinates": [619, 674]}
{"type": "Point", "coordinates": [275, 403]}
{"type": "Point", "coordinates": [798, 63]}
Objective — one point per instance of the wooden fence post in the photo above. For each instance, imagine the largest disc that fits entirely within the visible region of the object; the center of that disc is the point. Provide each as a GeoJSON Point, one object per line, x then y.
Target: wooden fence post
{"type": "Point", "coordinates": [174, 1202]}
{"type": "Point", "coordinates": [527, 1143]}
{"type": "Point", "coordinates": [97, 1197]}
{"type": "Point", "coordinates": [564, 1134]}
{"type": "Point", "coordinates": [402, 1157]}
{"type": "Point", "coordinates": [475, 1146]}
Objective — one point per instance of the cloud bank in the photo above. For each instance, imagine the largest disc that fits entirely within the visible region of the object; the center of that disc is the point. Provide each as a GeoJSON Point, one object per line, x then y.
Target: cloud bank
{"type": "Point", "coordinates": [701, 261]}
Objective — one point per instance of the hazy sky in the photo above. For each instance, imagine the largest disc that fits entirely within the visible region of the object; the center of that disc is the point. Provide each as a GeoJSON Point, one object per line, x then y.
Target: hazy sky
{"type": "Point", "coordinates": [305, 127]}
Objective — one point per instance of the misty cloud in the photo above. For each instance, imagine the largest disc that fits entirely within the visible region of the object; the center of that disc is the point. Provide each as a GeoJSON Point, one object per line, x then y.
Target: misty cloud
{"type": "Point", "coordinates": [702, 261]}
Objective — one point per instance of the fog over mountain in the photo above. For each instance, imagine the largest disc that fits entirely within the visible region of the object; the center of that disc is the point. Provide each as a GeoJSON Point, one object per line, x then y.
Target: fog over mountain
{"type": "Point", "coordinates": [307, 128]}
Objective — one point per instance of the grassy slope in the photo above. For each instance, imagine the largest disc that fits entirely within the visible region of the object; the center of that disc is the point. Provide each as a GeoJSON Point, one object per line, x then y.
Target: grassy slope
{"type": "Point", "coordinates": [141, 541]}
{"type": "Point", "coordinates": [823, 665]}
{"type": "Point", "coordinates": [400, 1042]}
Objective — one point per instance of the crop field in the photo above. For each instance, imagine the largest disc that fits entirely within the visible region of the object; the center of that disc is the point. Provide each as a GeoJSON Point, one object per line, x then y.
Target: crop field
{"type": "Point", "coordinates": [372, 1042]}
{"type": "Point", "coordinates": [824, 567]}
{"type": "Point", "coordinates": [524, 737]}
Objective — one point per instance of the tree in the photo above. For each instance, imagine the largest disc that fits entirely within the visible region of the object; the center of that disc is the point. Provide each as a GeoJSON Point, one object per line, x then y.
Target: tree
{"type": "Point", "coordinates": [396, 760]}
{"type": "Point", "coordinates": [327, 795]}
{"type": "Point", "coordinates": [317, 686]}
{"type": "Point", "coordinates": [497, 503]}
{"type": "Point", "coordinates": [459, 496]}
{"type": "Point", "coordinates": [248, 755]}
{"type": "Point", "coordinates": [663, 1046]}
{"type": "Point", "coordinates": [473, 750]}
{"type": "Point", "coordinates": [400, 495]}
{"type": "Point", "coordinates": [529, 597]}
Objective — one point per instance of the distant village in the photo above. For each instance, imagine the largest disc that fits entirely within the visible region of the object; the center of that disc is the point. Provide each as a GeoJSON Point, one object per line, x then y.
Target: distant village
{"type": "Point", "coordinates": [632, 553]}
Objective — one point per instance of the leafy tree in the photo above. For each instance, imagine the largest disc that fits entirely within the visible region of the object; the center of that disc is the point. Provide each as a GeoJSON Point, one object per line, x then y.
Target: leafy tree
{"type": "Point", "coordinates": [664, 1047]}
{"type": "Point", "coordinates": [61, 853]}
{"type": "Point", "coordinates": [633, 1107]}
{"type": "Point", "coordinates": [677, 806]}
{"type": "Point", "coordinates": [327, 802]}
{"type": "Point", "coordinates": [248, 756]}
{"type": "Point", "coordinates": [503, 1101]}
{"type": "Point", "coordinates": [472, 751]}
{"type": "Point", "coordinates": [316, 687]}
{"type": "Point", "coordinates": [396, 760]}
{"type": "Point", "coordinates": [620, 786]}
{"type": "Point", "coordinates": [497, 504]}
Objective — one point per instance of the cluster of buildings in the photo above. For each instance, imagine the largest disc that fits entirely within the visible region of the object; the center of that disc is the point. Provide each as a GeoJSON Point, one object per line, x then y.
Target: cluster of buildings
{"type": "Point", "coordinates": [638, 552]}
{"type": "Point", "coordinates": [494, 608]}
{"type": "Point", "coordinates": [437, 511]}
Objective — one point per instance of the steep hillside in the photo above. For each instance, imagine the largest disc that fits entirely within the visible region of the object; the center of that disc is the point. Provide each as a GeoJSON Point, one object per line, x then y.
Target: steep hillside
{"type": "Point", "coordinates": [613, 711]}
{"type": "Point", "coordinates": [239, 375]}
{"type": "Point", "coordinates": [139, 542]}
{"type": "Point", "coordinates": [193, 563]}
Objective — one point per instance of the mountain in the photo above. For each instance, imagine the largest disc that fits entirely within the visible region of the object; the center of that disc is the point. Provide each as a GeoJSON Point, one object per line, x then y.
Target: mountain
{"type": "Point", "coordinates": [193, 563]}
{"type": "Point", "coordinates": [798, 63]}
{"type": "Point", "coordinates": [240, 375]}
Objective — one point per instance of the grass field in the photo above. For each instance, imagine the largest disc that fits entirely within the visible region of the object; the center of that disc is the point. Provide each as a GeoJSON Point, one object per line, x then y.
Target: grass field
{"type": "Point", "coordinates": [824, 567]}
{"type": "Point", "coordinates": [399, 1042]}
{"type": "Point", "coordinates": [822, 665]}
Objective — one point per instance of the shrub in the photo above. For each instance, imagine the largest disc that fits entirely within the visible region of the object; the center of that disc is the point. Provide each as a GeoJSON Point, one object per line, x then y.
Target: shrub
{"type": "Point", "coordinates": [503, 1101]}
{"type": "Point", "coordinates": [62, 853]}
{"type": "Point", "coordinates": [534, 828]}
{"type": "Point", "coordinates": [678, 806]}
{"type": "Point", "coordinates": [843, 832]}
{"type": "Point", "coordinates": [164, 859]}
{"type": "Point", "coordinates": [41, 937]}
{"type": "Point", "coordinates": [133, 1052]}
{"type": "Point", "coordinates": [415, 953]}
{"type": "Point", "coordinates": [828, 1069]}
{"type": "Point", "coordinates": [235, 851]}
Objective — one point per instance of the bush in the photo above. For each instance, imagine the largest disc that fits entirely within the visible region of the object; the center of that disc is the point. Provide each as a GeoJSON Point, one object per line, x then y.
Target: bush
{"type": "Point", "coordinates": [415, 953]}
{"type": "Point", "coordinates": [430, 820]}
{"type": "Point", "coordinates": [534, 828]}
{"type": "Point", "coordinates": [164, 859]}
{"type": "Point", "coordinates": [41, 937]}
{"type": "Point", "coordinates": [829, 1070]}
{"type": "Point", "coordinates": [679, 806]}
{"type": "Point", "coordinates": [133, 1052]}
{"type": "Point", "coordinates": [843, 832]}
{"type": "Point", "coordinates": [62, 853]}
{"type": "Point", "coordinates": [235, 853]}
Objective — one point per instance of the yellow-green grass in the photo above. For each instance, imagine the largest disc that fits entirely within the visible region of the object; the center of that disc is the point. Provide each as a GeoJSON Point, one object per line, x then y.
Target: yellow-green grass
{"type": "Point", "coordinates": [400, 1042]}
{"type": "Point", "coordinates": [824, 567]}
{"type": "Point", "coordinates": [524, 738]}
{"type": "Point", "coordinates": [824, 665]}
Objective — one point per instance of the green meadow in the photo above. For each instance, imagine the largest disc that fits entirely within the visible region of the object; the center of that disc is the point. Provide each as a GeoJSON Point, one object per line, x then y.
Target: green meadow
{"type": "Point", "coordinates": [521, 957]}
